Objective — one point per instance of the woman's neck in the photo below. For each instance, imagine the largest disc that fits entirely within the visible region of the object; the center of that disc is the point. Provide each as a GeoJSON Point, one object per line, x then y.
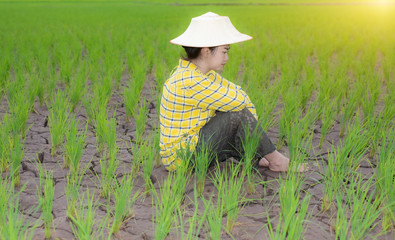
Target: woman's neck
{"type": "Point", "coordinates": [201, 65]}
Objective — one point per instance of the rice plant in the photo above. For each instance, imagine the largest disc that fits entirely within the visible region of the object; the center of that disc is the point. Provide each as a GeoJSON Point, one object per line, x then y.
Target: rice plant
{"type": "Point", "coordinates": [342, 163]}
{"type": "Point", "coordinates": [348, 111]}
{"type": "Point", "coordinates": [141, 120]}
{"type": "Point", "coordinates": [131, 96]}
{"type": "Point", "coordinates": [214, 218]}
{"type": "Point", "coordinates": [363, 207]}
{"type": "Point", "coordinates": [123, 202]}
{"type": "Point", "coordinates": [194, 223]}
{"type": "Point", "coordinates": [289, 111]}
{"type": "Point", "coordinates": [20, 109]}
{"type": "Point", "coordinates": [369, 102]}
{"type": "Point", "coordinates": [72, 191]}
{"type": "Point", "coordinates": [327, 120]}
{"type": "Point", "coordinates": [108, 166]}
{"type": "Point", "coordinates": [300, 136]}
{"type": "Point", "coordinates": [84, 224]}
{"type": "Point", "coordinates": [77, 88]}
{"type": "Point", "coordinates": [293, 208]}
{"type": "Point", "coordinates": [57, 119]}
{"type": "Point", "coordinates": [74, 145]}
{"type": "Point", "coordinates": [385, 182]}
{"type": "Point", "coordinates": [5, 141]}
{"type": "Point", "coordinates": [139, 153]}
{"type": "Point", "coordinates": [250, 145]}
{"type": "Point", "coordinates": [202, 160]}
{"type": "Point", "coordinates": [166, 203]}
{"type": "Point", "coordinates": [102, 128]}
{"type": "Point", "coordinates": [229, 187]}
{"type": "Point", "coordinates": [45, 196]}
{"type": "Point", "coordinates": [92, 103]}
{"type": "Point", "coordinates": [13, 225]}
{"type": "Point", "coordinates": [148, 164]}
{"type": "Point", "coordinates": [16, 154]}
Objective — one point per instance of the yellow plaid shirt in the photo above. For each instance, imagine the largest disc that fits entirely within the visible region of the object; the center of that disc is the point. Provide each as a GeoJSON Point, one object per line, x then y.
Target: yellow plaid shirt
{"type": "Point", "coordinates": [189, 100]}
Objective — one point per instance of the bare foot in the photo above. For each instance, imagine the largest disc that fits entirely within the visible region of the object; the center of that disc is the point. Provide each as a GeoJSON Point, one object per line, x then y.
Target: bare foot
{"type": "Point", "coordinates": [263, 162]}
{"type": "Point", "coordinates": [280, 163]}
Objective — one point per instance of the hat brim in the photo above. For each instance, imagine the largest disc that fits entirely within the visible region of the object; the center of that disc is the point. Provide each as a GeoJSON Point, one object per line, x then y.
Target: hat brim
{"type": "Point", "coordinates": [210, 30]}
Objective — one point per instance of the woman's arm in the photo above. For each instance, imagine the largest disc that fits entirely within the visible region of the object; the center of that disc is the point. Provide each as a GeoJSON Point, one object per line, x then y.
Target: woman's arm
{"type": "Point", "coordinates": [218, 95]}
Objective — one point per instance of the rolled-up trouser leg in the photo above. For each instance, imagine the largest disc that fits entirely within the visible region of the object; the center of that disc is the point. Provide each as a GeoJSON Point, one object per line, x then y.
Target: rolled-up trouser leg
{"type": "Point", "coordinates": [224, 135]}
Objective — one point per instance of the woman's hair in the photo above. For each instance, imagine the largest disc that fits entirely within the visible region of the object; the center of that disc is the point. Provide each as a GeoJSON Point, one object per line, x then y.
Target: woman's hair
{"type": "Point", "coordinates": [194, 52]}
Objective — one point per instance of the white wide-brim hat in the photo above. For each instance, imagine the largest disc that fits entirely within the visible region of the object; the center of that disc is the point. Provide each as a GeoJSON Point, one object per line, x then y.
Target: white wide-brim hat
{"type": "Point", "coordinates": [210, 30]}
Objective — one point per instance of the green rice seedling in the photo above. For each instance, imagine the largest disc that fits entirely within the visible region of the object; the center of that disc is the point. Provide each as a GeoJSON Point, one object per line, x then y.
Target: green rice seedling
{"type": "Point", "coordinates": [385, 183]}
{"type": "Point", "coordinates": [230, 192]}
{"type": "Point", "coordinates": [376, 126]}
{"type": "Point", "coordinates": [265, 107]}
{"type": "Point", "coordinates": [195, 222]}
{"type": "Point", "coordinates": [105, 131]}
{"type": "Point", "coordinates": [290, 109]}
{"type": "Point", "coordinates": [342, 225]}
{"type": "Point", "coordinates": [91, 104]}
{"type": "Point", "coordinates": [363, 206]}
{"type": "Point", "coordinates": [16, 155]}
{"type": "Point", "coordinates": [131, 96]}
{"type": "Point", "coordinates": [57, 119]}
{"type": "Point", "coordinates": [105, 89]}
{"type": "Point", "coordinates": [141, 120]}
{"type": "Point", "coordinates": [138, 154]}
{"type": "Point", "coordinates": [20, 109]}
{"type": "Point", "coordinates": [123, 202]}
{"type": "Point", "coordinates": [307, 86]}
{"type": "Point", "coordinates": [327, 120]}
{"type": "Point", "coordinates": [342, 163]}
{"type": "Point", "coordinates": [12, 224]}
{"type": "Point", "coordinates": [13, 88]}
{"type": "Point", "coordinates": [300, 136]}
{"type": "Point", "coordinates": [7, 198]}
{"type": "Point", "coordinates": [74, 145]}
{"type": "Point", "coordinates": [108, 166]}
{"type": "Point", "coordinates": [293, 218]}
{"type": "Point", "coordinates": [333, 181]}
{"type": "Point", "coordinates": [77, 88]}
{"type": "Point", "coordinates": [36, 88]}
{"type": "Point", "coordinates": [45, 196]}
{"type": "Point", "coordinates": [111, 136]}
{"type": "Point", "coordinates": [292, 209]}
{"type": "Point", "coordinates": [213, 219]}
{"type": "Point", "coordinates": [250, 145]}
{"type": "Point", "coordinates": [101, 128]}
{"type": "Point", "coordinates": [117, 69]}
{"type": "Point", "coordinates": [72, 190]}
{"type": "Point", "coordinates": [354, 146]}
{"type": "Point", "coordinates": [157, 148]}
{"type": "Point", "coordinates": [160, 73]}
{"type": "Point", "coordinates": [182, 174]}
{"type": "Point", "coordinates": [201, 161]}
{"type": "Point", "coordinates": [84, 225]}
{"type": "Point", "coordinates": [5, 141]}
{"type": "Point", "coordinates": [369, 102]}
{"type": "Point", "coordinates": [148, 164]}
{"type": "Point", "coordinates": [165, 206]}
{"type": "Point", "coordinates": [348, 111]}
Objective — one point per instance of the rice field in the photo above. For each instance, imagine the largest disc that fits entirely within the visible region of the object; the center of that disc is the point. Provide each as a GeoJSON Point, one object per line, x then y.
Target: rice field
{"type": "Point", "coordinates": [80, 88]}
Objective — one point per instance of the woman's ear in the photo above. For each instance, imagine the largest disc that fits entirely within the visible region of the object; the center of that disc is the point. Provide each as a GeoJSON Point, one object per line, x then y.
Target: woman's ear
{"type": "Point", "coordinates": [205, 52]}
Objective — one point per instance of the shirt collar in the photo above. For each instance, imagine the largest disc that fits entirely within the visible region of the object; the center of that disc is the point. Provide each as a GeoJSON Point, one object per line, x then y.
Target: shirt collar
{"type": "Point", "coordinates": [191, 66]}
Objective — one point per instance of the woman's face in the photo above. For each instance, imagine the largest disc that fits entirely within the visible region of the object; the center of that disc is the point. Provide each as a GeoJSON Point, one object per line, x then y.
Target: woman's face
{"type": "Point", "coordinates": [218, 58]}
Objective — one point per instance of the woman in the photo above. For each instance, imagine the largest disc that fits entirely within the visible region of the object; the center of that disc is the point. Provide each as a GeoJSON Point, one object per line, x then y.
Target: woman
{"type": "Point", "coordinates": [199, 107]}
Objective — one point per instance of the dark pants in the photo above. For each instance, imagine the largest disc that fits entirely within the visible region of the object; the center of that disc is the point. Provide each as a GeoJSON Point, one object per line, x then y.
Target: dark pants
{"type": "Point", "coordinates": [224, 135]}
